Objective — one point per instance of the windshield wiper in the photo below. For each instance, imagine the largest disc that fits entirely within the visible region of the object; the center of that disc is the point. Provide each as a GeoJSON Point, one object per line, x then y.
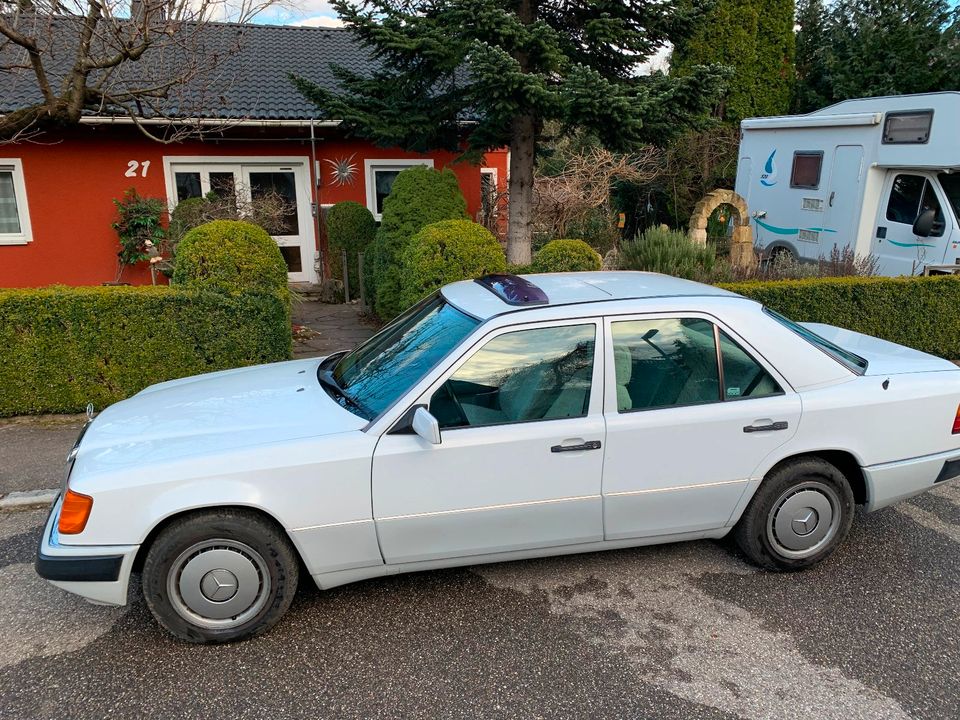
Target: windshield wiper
{"type": "Point", "coordinates": [329, 383]}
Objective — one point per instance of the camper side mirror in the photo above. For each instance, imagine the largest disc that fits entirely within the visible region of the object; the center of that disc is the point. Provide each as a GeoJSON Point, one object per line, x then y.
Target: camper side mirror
{"type": "Point", "coordinates": [923, 225]}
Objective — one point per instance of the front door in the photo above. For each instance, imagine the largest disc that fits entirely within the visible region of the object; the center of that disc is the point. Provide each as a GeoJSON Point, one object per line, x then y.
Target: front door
{"type": "Point", "coordinates": [899, 250]}
{"type": "Point", "coordinates": [690, 415]}
{"type": "Point", "coordinates": [520, 457]}
{"type": "Point", "coordinates": [276, 196]}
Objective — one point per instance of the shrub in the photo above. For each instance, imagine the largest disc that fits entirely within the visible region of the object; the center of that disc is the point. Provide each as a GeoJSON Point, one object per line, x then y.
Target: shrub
{"type": "Point", "coordinates": [138, 227]}
{"type": "Point", "coordinates": [420, 196]}
{"type": "Point", "coordinates": [669, 252]}
{"type": "Point", "coordinates": [918, 312]}
{"type": "Point", "coordinates": [565, 256]}
{"type": "Point", "coordinates": [598, 229]}
{"type": "Point", "coordinates": [187, 215]}
{"type": "Point", "coordinates": [61, 348]}
{"type": "Point", "coordinates": [231, 257]}
{"type": "Point", "coordinates": [445, 252]}
{"type": "Point", "coordinates": [350, 227]}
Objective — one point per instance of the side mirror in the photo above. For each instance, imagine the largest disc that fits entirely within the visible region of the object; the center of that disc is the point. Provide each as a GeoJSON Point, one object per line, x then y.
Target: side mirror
{"type": "Point", "coordinates": [923, 225]}
{"type": "Point", "coordinates": [426, 426]}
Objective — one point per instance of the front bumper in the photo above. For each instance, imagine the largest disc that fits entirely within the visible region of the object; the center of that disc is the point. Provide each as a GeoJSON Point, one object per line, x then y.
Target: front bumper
{"type": "Point", "coordinates": [98, 573]}
{"type": "Point", "coordinates": [892, 482]}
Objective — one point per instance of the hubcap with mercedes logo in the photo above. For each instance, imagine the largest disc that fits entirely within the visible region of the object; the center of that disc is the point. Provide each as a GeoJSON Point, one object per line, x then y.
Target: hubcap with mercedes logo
{"type": "Point", "coordinates": [219, 584]}
{"type": "Point", "coordinates": [804, 519]}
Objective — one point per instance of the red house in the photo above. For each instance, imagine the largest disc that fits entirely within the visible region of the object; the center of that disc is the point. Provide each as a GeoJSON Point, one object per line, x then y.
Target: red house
{"type": "Point", "coordinates": [261, 135]}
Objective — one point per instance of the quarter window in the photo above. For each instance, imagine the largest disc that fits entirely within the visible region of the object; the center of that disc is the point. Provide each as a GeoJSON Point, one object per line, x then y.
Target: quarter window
{"type": "Point", "coordinates": [522, 376]}
{"type": "Point", "coordinates": [743, 376]}
{"type": "Point", "coordinates": [806, 170]}
{"type": "Point", "coordinates": [14, 216]}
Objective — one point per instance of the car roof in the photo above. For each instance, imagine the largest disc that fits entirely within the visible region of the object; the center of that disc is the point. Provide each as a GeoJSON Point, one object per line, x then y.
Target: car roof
{"type": "Point", "coordinates": [483, 302]}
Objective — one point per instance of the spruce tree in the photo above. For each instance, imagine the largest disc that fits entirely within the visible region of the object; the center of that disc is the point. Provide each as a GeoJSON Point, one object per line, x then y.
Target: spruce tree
{"type": "Point", "coordinates": [756, 39]}
{"type": "Point", "coordinates": [502, 68]}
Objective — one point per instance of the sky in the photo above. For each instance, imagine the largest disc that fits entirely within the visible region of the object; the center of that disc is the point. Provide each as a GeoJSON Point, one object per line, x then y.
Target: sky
{"type": "Point", "coordinates": [315, 13]}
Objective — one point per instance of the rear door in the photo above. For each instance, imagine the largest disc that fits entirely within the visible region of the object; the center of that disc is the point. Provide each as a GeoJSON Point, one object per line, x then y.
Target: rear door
{"type": "Point", "coordinates": [691, 411]}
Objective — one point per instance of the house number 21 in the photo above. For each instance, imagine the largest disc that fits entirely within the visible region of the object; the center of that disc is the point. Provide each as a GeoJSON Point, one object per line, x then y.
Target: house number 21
{"type": "Point", "coordinates": [133, 166]}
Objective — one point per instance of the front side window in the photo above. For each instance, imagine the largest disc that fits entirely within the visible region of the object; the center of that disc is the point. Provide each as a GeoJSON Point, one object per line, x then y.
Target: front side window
{"type": "Point", "coordinates": [14, 218]}
{"type": "Point", "coordinates": [911, 195]}
{"type": "Point", "coordinates": [376, 374]}
{"type": "Point", "coordinates": [521, 376]}
{"type": "Point", "coordinates": [950, 182]}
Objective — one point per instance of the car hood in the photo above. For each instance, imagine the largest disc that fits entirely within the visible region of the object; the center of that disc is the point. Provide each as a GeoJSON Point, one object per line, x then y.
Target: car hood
{"type": "Point", "coordinates": [883, 357]}
{"type": "Point", "coordinates": [209, 414]}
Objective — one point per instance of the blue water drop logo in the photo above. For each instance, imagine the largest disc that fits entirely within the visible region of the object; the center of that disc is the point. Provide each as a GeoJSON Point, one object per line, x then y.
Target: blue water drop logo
{"type": "Point", "coordinates": [769, 176]}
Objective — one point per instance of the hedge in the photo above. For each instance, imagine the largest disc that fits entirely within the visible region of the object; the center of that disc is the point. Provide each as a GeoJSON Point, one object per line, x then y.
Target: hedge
{"type": "Point", "coordinates": [61, 348]}
{"type": "Point", "coordinates": [445, 252]}
{"type": "Point", "coordinates": [350, 227]}
{"type": "Point", "coordinates": [920, 312]}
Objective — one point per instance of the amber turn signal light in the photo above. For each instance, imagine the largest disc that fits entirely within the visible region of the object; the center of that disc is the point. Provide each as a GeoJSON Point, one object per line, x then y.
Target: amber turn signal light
{"type": "Point", "coordinates": [74, 513]}
{"type": "Point", "coordinates": [956, 423]}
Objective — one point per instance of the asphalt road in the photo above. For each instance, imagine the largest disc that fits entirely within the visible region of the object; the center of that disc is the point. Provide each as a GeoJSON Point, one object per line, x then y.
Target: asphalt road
{"type": "Point", "coordinates": [676, 631]}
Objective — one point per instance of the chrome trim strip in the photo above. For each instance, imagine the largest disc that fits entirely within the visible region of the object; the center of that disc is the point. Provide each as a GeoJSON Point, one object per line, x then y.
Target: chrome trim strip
{"type": "Point", "coordinates": [505, 506]}
{"type": "Point", "coordinates": [330, 525]}
{"type": "Point", "coordinates": [677, 487]}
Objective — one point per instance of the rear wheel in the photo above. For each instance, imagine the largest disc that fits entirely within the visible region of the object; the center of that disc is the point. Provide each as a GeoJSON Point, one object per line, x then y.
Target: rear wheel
{"type": "Point", "coordinates": [220, 576]}
{"type": "Point", "coordinates": [801, 513]}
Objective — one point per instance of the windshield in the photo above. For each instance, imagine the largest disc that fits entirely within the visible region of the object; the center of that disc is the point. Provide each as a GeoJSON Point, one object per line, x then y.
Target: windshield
{"type": "Point", "coordinates": [852, 362]}
{"type": "Point", "coordinates": [950, 182]}
{"type": "Point", "coordinates": [378, 372]}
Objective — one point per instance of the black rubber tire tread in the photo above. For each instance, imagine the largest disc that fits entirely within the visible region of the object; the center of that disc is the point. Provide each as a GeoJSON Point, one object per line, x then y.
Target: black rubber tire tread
{"type": "Point", "coordinates": [246, 526]}
{"type": "Point", "coordinates": [750, 533]}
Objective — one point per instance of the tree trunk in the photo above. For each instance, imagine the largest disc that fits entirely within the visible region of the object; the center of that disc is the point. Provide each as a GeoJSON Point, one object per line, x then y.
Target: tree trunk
{"type": "Point", "coordinates": [520, 228]}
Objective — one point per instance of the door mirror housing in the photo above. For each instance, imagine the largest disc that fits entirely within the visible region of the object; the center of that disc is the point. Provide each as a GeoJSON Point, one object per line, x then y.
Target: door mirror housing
{"type": "Point", "coordinates": [923, 225]}
{"type": "Point", "coordinates": [426, 426]}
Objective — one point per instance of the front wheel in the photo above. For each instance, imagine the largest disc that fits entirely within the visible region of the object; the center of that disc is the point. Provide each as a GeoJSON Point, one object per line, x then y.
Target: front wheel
{"type": "Point", "coordinates": [801, 513]}
{"type": "Point", "coordinates": [220, 576]}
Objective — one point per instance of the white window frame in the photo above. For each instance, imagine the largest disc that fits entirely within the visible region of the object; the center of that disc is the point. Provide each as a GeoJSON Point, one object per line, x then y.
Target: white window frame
{"type": "Point", "coordinates": [492, 171]}
{"type": "Point", "coordinates": [371, 166]}
{"type": "Point", "coordinates": [23, 210]}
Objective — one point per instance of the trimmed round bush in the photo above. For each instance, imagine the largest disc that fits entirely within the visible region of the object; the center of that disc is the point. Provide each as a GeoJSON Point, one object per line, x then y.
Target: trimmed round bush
{"type": "Point", "coordinates": [445, 252]}
{"type": "Point", "coordinates": [350, 227]}
{"type": "Point", "coordinates": [420, 196]}
{"type": "Point", "coordinates": [566, 256]}
{"type": "Point", "coordinates": [231, 257]}
{"type": "Point", "coordinates": [669, 252]}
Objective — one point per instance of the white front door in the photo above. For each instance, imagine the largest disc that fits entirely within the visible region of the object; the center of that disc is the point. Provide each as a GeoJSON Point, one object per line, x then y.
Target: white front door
{"type": "Point", "coordinates": [520, 457]}
{"type": "Point", "coordinates": [284, 186]}
{"type": "Point", "coordinates": [899, 250]}
{"type": "Point", "coordinates": [690, 415]}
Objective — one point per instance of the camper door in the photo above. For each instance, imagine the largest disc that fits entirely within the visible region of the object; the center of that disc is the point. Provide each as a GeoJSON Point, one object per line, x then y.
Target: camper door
{"type": "Point", "coordinates": [899, 249]}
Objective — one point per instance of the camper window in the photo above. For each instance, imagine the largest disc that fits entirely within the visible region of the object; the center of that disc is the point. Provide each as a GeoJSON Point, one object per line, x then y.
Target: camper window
{"type": "Point", "coordinates": [907, 128]}
{"type": "Point", "coordinates": [806, 170]}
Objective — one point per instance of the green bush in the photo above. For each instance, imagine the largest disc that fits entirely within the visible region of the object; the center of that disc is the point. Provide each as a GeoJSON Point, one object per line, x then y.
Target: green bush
{"type": "Point", "coordinates": [420, 196]}
{"type": "Point", "coordinates": [61, 347]}
{"type": "Point", "coordinates": [187, 215]}
{"type": "Point", "coordinates": [565, 256]}
{"type": "Point", "coordinates": [445, 252]}
{"type": "Point", "coordinates": [598, 229]}
{"type": "Point", "coordinates": [918, 312]}
{"type": "Point", "coordinates": [350, 227]}
{"type": "Point", "coordinates": [231, 257]}
{"type": "Point", "coordinates": [669, 252]}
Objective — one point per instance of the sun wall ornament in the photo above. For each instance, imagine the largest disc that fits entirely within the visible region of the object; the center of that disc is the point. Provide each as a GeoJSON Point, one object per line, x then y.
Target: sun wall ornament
{"type": "Point", "coordinates": [343, 171]}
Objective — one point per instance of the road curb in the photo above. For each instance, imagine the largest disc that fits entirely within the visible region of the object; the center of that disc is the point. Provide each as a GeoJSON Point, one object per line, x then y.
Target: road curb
{"type": "Point", "coordinates": [26, 500]}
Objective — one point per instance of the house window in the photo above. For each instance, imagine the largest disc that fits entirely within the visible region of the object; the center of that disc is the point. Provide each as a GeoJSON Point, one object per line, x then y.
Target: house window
{"type": "Point", "coordinates": [380, 175]}
{"type": "Point", "coordinates": [806, 170]}
{"type": "Point", "coordinates": [14, 215]}
{"type": "Point", "coordinates": [488, 193]}
{"type": "Point", "coordinates": [907, 128]}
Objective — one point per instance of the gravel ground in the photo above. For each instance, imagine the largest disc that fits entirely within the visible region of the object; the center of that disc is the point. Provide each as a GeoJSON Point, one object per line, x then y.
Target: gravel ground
{"type": "Point", "coordinates": [676, 631]}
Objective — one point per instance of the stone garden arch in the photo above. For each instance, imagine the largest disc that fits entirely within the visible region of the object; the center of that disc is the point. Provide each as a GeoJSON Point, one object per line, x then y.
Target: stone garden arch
{"type": "Point", "coordinates": [741, 245]}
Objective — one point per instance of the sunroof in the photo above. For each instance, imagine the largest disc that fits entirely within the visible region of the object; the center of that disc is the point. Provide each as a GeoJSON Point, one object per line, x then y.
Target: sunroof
{"type": "Point", "coordinates": [513, 289]}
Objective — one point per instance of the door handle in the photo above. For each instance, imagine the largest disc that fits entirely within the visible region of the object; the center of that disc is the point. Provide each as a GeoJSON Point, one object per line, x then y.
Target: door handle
{"type": "Point", "coordinates": [589, 445]}
{"type": "Point", "coordinates": [779, 425]}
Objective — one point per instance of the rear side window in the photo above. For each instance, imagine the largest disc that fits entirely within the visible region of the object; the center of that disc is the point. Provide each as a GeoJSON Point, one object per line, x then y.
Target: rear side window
{"type": "Point", "coordinates": [743, 376]}
{"type": "Point", "coordinates": [806, 170]}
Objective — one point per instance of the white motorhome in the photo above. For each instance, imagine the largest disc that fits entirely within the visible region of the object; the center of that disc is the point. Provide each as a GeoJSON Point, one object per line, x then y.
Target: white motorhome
{"type": "Point", "coordinates": [880, 175]}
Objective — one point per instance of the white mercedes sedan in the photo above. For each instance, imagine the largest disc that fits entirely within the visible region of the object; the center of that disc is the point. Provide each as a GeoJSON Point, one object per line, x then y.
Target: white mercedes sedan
{"type": "Point", "coordinates": [503, 418]}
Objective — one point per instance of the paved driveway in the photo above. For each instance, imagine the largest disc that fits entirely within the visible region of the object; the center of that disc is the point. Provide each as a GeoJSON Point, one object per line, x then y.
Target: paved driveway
{"type": "Point", "coordinates": [676, 631]}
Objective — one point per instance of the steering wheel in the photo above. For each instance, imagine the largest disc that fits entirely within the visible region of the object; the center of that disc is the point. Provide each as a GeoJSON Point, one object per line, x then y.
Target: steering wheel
{"type": "Point", "coordinates": [463, 419]}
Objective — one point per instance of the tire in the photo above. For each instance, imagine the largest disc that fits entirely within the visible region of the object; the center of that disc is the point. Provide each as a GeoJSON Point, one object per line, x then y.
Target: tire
{"type": "Point", "coordinates": [220, 576]}
{"type": "Point", "coordinates": [800, 514]}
